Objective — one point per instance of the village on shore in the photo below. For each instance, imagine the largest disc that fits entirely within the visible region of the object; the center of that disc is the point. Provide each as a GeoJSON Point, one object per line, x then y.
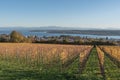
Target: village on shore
{"type": "Point", "coordinates": [17, 37]}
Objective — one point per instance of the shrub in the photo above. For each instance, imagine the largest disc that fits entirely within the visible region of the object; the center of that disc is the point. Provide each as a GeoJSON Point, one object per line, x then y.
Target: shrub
{"type": "Point", "coordinates": [18, 37]}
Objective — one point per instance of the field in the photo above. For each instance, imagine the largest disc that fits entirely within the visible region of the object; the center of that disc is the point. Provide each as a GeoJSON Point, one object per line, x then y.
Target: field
{"type": "Point", "coordinates": [24, 61]}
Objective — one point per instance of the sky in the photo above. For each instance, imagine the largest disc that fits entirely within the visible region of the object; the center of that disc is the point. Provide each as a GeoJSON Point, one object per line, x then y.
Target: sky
{"type": "Point", "coordinates": [66, 13]}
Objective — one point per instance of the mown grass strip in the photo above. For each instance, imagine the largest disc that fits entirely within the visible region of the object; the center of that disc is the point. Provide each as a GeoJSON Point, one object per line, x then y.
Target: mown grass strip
{"type": "Point", "coordinates": [92, 68]}
{"type": "Point", "coordinates": [112, 72]}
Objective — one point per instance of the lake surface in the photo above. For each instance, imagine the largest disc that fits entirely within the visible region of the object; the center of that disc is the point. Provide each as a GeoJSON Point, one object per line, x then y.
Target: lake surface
{"type": "Point", "coordinates": [41, 34]}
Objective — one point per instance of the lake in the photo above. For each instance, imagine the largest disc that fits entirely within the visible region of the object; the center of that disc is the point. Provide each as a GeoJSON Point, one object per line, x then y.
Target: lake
{"type": "Point", "coordinates": [41, 34]}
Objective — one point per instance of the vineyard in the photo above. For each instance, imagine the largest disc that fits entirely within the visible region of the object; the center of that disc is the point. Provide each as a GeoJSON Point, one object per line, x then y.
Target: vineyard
{"type": "Point", "coordinates": [25, 61]}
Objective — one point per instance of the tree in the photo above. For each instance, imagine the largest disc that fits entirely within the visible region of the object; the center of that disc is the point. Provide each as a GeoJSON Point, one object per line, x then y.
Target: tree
{"type": "Point", "coordinates": [17, 37]}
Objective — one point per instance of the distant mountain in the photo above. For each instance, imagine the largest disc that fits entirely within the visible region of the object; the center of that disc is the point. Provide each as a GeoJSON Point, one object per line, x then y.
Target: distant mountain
{"type": "Point", "coordinates": [61, 30]}
{"type": "Point", "coordinates": [52, 28]}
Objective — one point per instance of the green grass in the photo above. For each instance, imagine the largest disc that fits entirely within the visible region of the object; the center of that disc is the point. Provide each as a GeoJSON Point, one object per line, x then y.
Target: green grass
{"type": "Point", "coordinates": [92, 68]}
{"type": "Point", "coordinates": [73, 68]}
{"type": "Point", "coordinates": [112, 71]}
{"type": "Point", "coordinates": [11, 69]}
{"type": "Point", "coordinates": [16, 71]}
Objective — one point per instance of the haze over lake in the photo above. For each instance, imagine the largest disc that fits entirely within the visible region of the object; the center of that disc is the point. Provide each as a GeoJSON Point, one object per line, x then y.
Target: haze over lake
{"type": "Point", "coordinates": [57, 31]}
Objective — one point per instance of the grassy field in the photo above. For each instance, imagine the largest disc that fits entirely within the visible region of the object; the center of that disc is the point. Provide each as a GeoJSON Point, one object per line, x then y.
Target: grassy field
{"type": "Point", "coordinates": [55, 62]}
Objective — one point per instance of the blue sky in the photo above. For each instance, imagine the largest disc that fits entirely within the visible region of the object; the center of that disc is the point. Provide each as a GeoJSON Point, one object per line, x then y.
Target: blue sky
{"type": "Point", "coordinates": [66, 13]}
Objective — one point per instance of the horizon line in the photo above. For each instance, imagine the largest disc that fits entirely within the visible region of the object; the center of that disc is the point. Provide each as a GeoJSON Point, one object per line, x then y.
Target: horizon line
{"type": "Point", "coordinates": [87, 28]}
